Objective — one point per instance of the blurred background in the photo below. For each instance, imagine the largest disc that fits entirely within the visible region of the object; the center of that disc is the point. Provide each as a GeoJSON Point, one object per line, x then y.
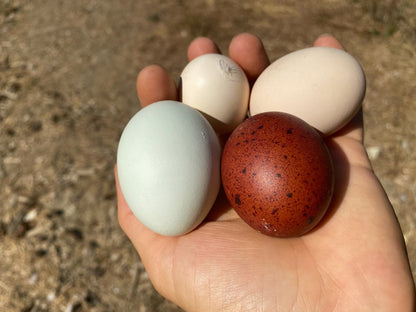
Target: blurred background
{"type": "Point", "coordinates": [67, 88]}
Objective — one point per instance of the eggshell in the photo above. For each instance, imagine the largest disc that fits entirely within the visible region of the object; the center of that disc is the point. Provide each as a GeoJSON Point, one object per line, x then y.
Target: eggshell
{"type": "Point", "coordinates": [277, 174]}
{"type": "Point", "coordinates": [168, 162]}
{"type": "Point", "coordinates": [323, 86]}
{"type": "Point", "coordinates": [216, 86]}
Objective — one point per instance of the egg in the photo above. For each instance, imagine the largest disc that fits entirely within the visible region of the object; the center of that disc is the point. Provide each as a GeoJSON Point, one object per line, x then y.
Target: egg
{"type": "Point", "coordinates": [321, 85]}
{"type": "Point", "coordinates": [168, 162]}
{"type": "Point", "coordinates": [217, 87]}
{"type": "Point", "coordinates": [277, 174]}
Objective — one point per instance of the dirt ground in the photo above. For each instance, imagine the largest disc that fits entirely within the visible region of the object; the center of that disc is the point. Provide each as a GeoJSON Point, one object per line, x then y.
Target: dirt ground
{"type": "Point", "coordinates": [67, 88]}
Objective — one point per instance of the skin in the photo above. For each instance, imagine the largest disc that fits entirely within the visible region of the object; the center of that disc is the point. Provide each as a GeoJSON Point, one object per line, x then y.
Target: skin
{"type": "Point", "coordinates": [354, 260]}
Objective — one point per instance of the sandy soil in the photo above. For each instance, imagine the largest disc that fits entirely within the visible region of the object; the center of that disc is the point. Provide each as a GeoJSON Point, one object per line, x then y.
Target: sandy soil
{"type": "Point", "coordinates": [67, 88]}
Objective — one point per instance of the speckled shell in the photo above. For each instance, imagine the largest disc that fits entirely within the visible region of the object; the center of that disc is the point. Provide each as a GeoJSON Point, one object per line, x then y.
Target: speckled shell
{"type": "Point", "coordinates": [277, 174]}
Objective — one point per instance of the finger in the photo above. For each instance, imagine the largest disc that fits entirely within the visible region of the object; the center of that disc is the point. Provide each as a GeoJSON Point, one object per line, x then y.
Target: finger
{"type": "Point", "coordinates": [153, 84]}
{"type": "Point", "coordinates": [248, 51]}
{"type": "Point", "coordinates": [200, 46]}
{"type": "Point", "coordinates": [326, 40]}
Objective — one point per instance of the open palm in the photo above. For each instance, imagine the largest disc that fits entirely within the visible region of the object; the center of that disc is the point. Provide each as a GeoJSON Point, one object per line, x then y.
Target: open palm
{"type": "Point", "coordinates": [354, 260]}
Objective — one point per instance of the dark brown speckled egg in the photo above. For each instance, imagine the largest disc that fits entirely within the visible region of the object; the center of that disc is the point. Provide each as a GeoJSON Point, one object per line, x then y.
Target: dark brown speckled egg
{"type": "Point", "coordinates": [277, 174]}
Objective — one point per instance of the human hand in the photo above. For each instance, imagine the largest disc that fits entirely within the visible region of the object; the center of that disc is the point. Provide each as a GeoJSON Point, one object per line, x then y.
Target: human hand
{"type": "Point", "coordinates": [354, 260]}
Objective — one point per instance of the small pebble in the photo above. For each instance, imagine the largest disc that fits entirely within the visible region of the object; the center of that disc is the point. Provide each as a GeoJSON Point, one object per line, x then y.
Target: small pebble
{"type": "Point", "coordinates": [373, 152]}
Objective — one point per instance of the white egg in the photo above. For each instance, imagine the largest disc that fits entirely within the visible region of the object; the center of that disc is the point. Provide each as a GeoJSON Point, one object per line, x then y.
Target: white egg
{"type": "Point", "coordinates": [168, 162]}
{"type": "Point", "coordinates": [323, 86]}
{"type": "Point", "coordinates": [216, 86]}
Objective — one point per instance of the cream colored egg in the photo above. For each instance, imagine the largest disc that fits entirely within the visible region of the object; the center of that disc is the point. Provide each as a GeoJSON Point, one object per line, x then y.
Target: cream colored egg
{"type": "Point", "coordinates": [323, 86]}
{"type": "Point", "coordinates": [217, 87]}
